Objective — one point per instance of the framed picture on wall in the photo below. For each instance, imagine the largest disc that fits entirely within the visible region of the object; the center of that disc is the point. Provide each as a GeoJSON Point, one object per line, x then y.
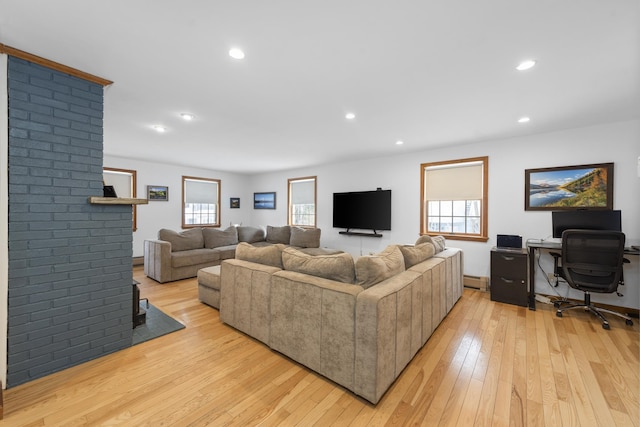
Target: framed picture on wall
{"type": "Point", "coordinates": [157, 193]}
{"type": "Point", "coordinates": [264, 200]}
{"type": "Point", "coordinates": [234, 202]}
{"type": "Point", "coordinates": [569, 187]}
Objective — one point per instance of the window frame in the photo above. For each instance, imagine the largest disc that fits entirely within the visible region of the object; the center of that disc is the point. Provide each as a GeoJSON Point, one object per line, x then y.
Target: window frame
{"type": "Point", "coordinates": [424, 212]}
{"type": "Point", "coordinates": [218, 182]}
{"type": "Point", "coordinates": [134, 185]}
{"type": "Point", "coordinates": [292, 181]}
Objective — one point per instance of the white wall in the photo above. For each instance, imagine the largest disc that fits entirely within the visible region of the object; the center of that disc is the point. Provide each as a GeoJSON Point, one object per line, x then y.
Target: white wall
{"type": "Point", "coordinates": [156, 215]}
{"type": "Point", "coordinates": [618, 143]}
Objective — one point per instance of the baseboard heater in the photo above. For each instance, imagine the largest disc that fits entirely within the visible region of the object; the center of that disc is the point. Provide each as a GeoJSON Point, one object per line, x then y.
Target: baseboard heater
{"type": "Point", "coordinates": [476, 282]}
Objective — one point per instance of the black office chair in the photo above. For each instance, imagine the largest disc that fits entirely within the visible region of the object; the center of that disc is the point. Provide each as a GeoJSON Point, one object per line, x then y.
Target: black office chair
{"type": "Point", "coordinates": [592, 262]}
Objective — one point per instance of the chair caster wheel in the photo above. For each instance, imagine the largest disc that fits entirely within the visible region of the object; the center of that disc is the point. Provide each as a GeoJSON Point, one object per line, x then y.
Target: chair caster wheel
{"type": "Point", "coordinates": [556, 304]}
{"type": "Point", "coordinates": [629, 322]}
{"type": "Point", "coordinates": [606, 326]}
{"type": "Point", "coordinates": [559, 313]}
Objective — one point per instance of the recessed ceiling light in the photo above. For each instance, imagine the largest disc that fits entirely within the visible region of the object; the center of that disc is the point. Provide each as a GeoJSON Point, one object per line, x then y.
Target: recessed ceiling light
{"type": "Point", "coordinates": [398, 142]}
{"type": "Point", "coordinates": [187, 116]}
{"type": "Point", "coordinates": [525, 65]}
{"type": "Point", "coordinates": [524, 120]}
{"type": "Point", "coordinates": [159, 129]}
{"type": "Point", "coordinates": [236, 53]}
{"type": "Point", "coordinates": [350, 116]}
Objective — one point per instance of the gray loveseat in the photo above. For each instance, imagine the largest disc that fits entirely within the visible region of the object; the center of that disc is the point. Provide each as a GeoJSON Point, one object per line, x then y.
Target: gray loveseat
{"type": "Point", "coordinates": [179, 255]}
{"type": "Point", "coordinates": [357, 322]}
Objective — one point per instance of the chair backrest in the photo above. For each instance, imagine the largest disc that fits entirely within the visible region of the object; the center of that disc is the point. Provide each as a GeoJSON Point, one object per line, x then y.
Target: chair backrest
{"type": "Point", "coordinates": [592, 259]}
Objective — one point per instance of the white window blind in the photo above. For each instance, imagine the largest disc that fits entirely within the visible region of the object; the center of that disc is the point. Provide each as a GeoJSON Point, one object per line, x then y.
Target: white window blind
{"type": "Point", "coordinates": [303, 192]}
{"type": "Point", "coordinates": [461, 181]}
{"type": "Point", "coordinates": [200, 191]}
{"type": "Point", "coordinates": [122, 182]}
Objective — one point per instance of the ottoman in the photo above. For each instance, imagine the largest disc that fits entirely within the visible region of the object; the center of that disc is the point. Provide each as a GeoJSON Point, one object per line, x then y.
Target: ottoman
{"type": "Point", "coordinates": [209, 286]}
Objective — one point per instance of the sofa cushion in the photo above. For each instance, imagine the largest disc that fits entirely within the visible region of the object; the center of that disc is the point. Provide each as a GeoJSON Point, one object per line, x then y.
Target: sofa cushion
{"type": "Point", "coordinates": [267, 255]}
{"type": "Point", "coordinates": [374, 269]}
{"type": "Point", "coordinates": [183, 241]}
{"type": "Point", "coordinates": [416, 254]}
{"type": "Point", "coordinates": [194, 257]}
{"type": "Point", "coordinates": [226, 252]}
{"type": "Point", "coordinates": [338, 267]}
{"type": "Point", "coordinates": [214, 238]}
{"type": "Point", "coordinates": [305, 237]}
{"type": "Point", "coordinates": [249, 234]}
{"type": "Point", "coordinates": [279, 234]}
{"type": "Point", "coordinates": [437, 241]}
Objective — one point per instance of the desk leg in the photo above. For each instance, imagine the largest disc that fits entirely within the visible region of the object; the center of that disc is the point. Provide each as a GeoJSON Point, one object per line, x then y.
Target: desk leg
{"type": "Point", "coordinates": [532, 278]}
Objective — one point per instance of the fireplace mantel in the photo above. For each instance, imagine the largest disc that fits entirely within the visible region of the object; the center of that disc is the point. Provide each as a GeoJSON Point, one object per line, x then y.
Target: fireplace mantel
{"type": "Point", "coordinates": [94, 200]}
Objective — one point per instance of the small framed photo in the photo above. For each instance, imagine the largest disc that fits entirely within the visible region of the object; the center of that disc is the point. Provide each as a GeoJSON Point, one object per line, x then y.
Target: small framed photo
{"type": "Point", "coordinates": [264, 200]}
{"type": "Point", "coordinates": [157, 193]}
{"type": "Point", "coordinates": [234, 202]}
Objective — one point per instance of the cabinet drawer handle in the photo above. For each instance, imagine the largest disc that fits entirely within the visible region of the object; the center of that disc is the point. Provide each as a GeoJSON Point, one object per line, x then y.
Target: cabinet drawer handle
{"type": "Point", "coordinates": [507, 258]}
{"type": "Point", "coordinates": [506, 280]}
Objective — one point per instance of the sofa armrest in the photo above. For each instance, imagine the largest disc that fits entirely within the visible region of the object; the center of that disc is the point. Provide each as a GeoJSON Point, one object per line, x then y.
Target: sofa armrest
{"type": "Point", "coordinates": [157, 260]}
{"type": "Point", "coordinates": [388, 332]}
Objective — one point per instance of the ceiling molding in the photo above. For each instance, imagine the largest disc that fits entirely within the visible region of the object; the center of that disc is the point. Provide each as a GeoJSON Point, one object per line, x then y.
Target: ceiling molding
{"type": "Point", "coordinates": [12, 51]}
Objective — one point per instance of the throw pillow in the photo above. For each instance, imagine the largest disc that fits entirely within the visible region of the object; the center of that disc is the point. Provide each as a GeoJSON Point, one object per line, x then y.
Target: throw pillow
{"type": "Point", "coordinates": [183, 241]}
{"type": "Point", "coordinates": [305, 237]}
{"type": "Point", "coordinates": [416, 254]}
{"type": "Point", "coordinates": [279, 234]}
{"type": "Point", "coordinates": [267, 255]}
{"type": "Point", "coordinates": [338, 267]}
{"type": "Point", "coordinates": [438, 242]}
{"type": "Point", "coordinates": [374, 269]}
{"type": "Point", "coordinates": [423, 239]}
{"type": "Point", "coordinates": [250, 234]}
{"type": "Point", "coordinates": [214, 238]}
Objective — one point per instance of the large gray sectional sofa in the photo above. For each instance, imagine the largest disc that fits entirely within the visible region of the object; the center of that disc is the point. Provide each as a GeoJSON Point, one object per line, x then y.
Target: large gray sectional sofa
{"type": "Point", "coordinates": [179, 255]}
{"type": "Point", "coordinates": [358, 322]}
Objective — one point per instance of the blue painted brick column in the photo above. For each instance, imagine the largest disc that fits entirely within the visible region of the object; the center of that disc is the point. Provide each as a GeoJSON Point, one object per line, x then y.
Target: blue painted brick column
{"type": "Point", "coordinates": [70, 268]}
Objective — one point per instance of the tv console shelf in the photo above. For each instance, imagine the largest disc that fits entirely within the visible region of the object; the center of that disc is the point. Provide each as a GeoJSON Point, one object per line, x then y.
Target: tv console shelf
{"type": "Point", "coordinates": [357, 233]}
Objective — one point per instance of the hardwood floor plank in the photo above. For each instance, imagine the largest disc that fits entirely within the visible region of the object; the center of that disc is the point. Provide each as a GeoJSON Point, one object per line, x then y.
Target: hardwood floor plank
{"type": "Point", "coordinates": [487, 364]}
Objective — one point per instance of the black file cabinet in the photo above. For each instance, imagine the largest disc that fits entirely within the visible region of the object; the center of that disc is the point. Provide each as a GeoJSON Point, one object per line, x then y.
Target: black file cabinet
{"type": "Point", "coordinates": [509, 276]}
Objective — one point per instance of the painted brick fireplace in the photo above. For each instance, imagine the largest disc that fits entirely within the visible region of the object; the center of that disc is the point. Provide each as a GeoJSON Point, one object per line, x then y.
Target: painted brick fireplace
{"type": "Point", "coordinates": [70, 262]}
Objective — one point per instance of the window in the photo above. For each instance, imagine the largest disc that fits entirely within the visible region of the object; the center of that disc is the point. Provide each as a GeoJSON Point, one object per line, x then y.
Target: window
{"type": "Point", "coordinates": [302, 201]}
{"type": "Point", "coordinates": [124, 183]}
{"type": "Point", "coordinates": [454, 198]}
{"type": "Point", "coordinates": [200, 202]}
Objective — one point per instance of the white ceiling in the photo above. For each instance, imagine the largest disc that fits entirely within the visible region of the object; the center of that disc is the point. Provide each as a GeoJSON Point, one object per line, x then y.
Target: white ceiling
{"type": "Point", "coordinates": [429, 72]}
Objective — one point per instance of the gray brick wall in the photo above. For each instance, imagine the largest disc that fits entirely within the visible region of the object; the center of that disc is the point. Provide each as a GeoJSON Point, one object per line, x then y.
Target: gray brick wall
{"type": "Point", "coordinates": [70, 268]}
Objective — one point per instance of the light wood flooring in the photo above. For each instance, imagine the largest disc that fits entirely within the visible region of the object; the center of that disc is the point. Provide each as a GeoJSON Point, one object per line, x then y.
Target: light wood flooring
{"type": "Point", "coordinates": [487, 364]}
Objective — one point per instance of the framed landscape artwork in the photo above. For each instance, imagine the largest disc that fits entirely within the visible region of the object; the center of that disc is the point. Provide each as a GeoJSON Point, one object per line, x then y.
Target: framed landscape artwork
{"type": "Point", "coordinates": [569, 187]}
{"type": "Point", "coordinates": [157, 193]}
{"type": "Point", "coordinates": [234, 202]}
{"type": "Point", "coordinates": [264, 200]}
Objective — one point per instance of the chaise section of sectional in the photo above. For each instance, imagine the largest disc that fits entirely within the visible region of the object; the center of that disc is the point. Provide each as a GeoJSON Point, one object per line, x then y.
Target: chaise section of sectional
{"type": "Point", "coordinates": [245, 292]}
{"type": "Point", "coordinates": [313, 322]}
{"type": "Point", "coordinates": [389, 318]}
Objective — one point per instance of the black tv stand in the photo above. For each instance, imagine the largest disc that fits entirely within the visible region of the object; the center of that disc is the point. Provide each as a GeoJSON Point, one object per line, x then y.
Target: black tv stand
{"type": "Point", "coordinates": [357, 233]}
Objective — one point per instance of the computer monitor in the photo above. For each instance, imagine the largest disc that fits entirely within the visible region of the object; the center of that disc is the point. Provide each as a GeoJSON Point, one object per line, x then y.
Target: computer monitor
{"type": "Point", "coordinates": [585, 220]}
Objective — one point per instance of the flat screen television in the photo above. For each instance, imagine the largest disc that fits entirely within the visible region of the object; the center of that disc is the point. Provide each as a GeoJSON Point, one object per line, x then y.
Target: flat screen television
{"type": "Point", "coordinates": [585, 220]}
{"type": "Point", "coordinates": [365, 210]}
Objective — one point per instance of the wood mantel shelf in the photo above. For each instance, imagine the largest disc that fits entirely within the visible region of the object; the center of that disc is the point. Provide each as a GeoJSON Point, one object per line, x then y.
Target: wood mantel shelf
{"type": "Point", "coordinates": [94, 200]}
